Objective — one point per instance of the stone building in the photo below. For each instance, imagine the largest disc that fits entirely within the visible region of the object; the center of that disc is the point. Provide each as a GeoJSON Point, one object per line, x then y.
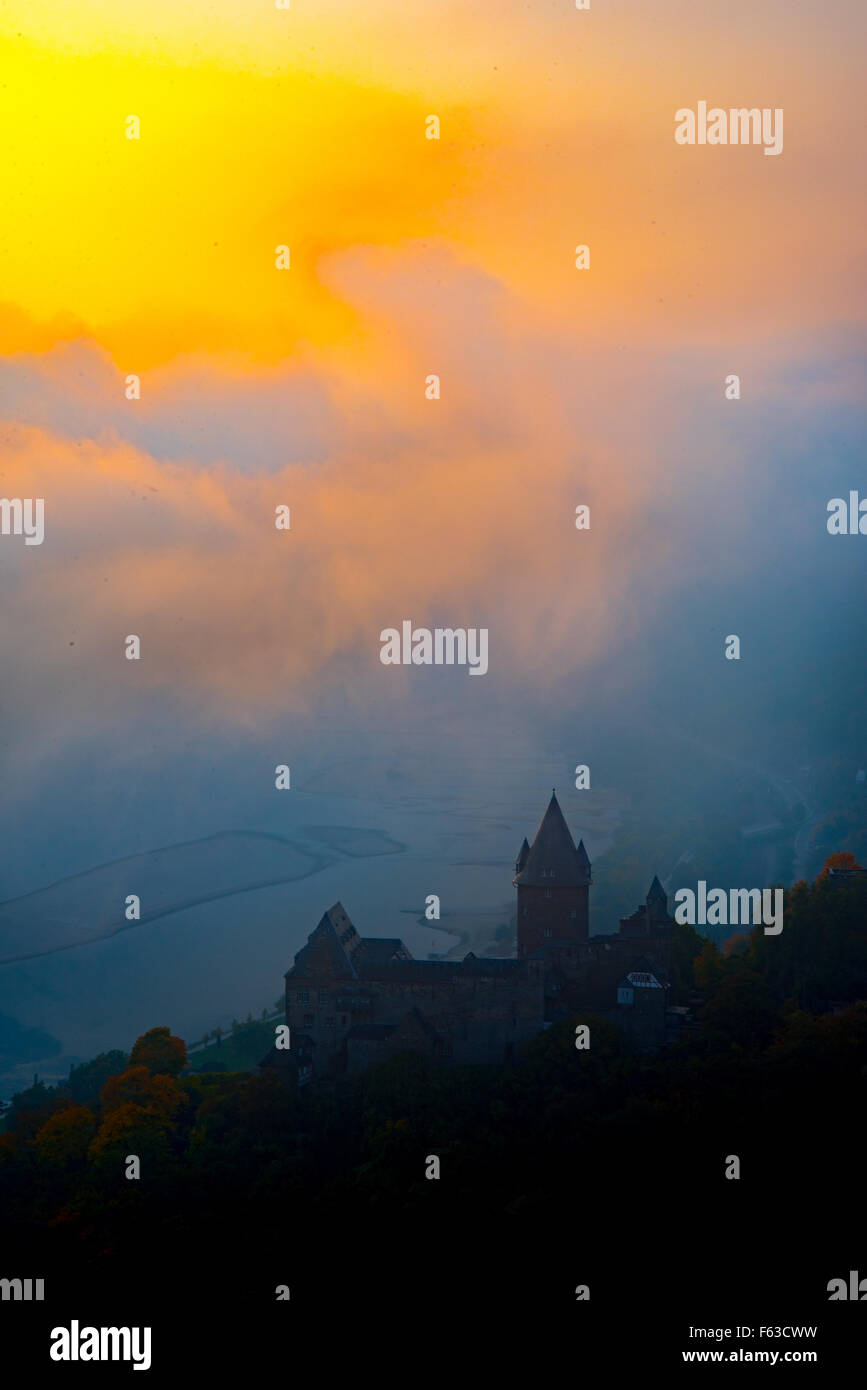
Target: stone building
{"type": "Point", "coordinates": [553, 881]}
{"type": "Point", "coordinates": [353, 1000]}
{"type": "Point", "coordinates": [641, 1008]}
{"type": "Point", "coordinates": [581, 971]}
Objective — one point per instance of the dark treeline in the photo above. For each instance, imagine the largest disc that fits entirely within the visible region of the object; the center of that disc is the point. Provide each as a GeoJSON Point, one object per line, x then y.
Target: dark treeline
{"type": "Point", "coordinates": [601, 1166]}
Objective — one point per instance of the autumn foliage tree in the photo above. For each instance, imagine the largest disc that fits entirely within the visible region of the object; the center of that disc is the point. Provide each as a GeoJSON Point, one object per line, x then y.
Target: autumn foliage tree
{"type": "Point", "coordinates": [160, 1052]}
{"type": "Point", "coordinates": [138, 1086]}
{"type": "Point", "coordinates": [708, 968]}
{"type": "Point", "coordinates": [842, 860]}
{"type": "Point", "coordinates": [64, 1139]}
{"type": "Point", "coordinates": [131, 1129]}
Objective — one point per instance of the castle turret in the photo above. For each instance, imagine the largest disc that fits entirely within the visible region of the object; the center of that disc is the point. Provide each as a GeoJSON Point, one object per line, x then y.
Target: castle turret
{"type": "Point", "coordinates": [657, 903]}
{"type": "Point", "coordinates": [652, 918]}
{"type": "Point", "coordinates": [553, 881]}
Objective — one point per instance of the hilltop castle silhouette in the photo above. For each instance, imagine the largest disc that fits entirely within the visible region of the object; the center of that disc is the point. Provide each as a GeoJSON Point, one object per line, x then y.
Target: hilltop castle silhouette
{"type": "Point", "coordinates": [355, 1000]}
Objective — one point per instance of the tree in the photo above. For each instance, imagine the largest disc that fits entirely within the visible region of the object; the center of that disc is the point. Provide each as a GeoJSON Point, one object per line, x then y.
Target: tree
{"type": "Point", "coordinates": [686, 947]}
{"type": "Point", "coordinates": [160, 1052]}
{"type": "Point", "coordinates": [735, 944]}
{"type": "Point", "coordinates": [708, 967]}
{"type": "Point", "coordinates": [841, 860]}
{"type": "Point", "coordinates": [742, 1009]}
{"type": "Point", "coordinates": [86, 1081]}
{"type": "Point", "coordinates": [130, 1129]}
{"type": "Point", "coordinates": [64, 1139]}
{"type": "Point", "coordinates": [138, 1086]}
{"type": "Point", "coordinates": [31, 1108]}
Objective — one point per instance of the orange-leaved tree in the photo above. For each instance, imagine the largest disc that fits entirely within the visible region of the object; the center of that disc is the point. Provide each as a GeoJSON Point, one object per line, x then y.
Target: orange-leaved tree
{"type": "Point", "coordinates": [131, 1129]}
{"type": "Point", "coordinates": [841, 860]}
{"type": "Point", "coordinates": [160, 1052]}
{"type": "Point", "coordinates": [137, 1086]}
{"type": "Point", "coordinates": [64, 1139]}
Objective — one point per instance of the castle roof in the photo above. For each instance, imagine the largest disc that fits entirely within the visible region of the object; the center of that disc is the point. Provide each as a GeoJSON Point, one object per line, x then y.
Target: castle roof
{"type": "Point", "coordinates": [376, 949]}
{"type": "Point", "coordinates": [334, 948]}
{"type": "Point", "coordinates": [553, 860]}
{"type": "Point", "coordinates": [640, 979]}
{"type": "Point", "coordinates": [656, 892]}
{"type": "Point", "coordinates": [330, 946]}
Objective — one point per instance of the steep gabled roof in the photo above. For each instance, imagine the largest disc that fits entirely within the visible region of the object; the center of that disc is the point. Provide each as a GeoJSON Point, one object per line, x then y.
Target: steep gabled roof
{"type": "Point", "coordinates": [553, 861]}
{"type": "Point", "coordinates": [656, 892]}
{"type": "Point", "coordinates": [330, 947]}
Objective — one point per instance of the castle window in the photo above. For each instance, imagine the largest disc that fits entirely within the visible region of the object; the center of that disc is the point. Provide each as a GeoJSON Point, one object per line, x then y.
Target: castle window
{"type": "Point", "coordinates": [309, 1020]}
{"type": "Point", "coordinates": [547, 931]}
{"type": "Point", "coordinates": [573, 914]}
{"type": "Point", "coordinates": [524, 912]}
{"type": "Point", "coordinates": [343, 1020]}
{"type": "Point", "coordinates": [547, 892]}
{"type": "Point", "coordinates": [323, 996]}
{"type": "Point", "coordinates": [303, 996]}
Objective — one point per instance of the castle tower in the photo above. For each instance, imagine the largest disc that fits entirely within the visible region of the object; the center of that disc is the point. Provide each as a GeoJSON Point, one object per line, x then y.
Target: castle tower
{"type": "Point", "coordinates": [657, 904]}
{"type": "Point", "coordinates": [651, 920]}
{"type": "Point", "coordinates": [553, 880]}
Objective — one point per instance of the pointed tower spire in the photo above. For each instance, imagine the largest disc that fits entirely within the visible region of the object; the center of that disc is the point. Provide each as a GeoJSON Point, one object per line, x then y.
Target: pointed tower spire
{"type": "Point", "coordinates": [584, 860]}
{"type": "Point", "coordinates": [656, 892]}
{"type": "Point", "coordinates": [656, 903]}
{"type": "Point", "coordinates": [553, 881]}
{"type": "Point", "coordinates": [553, 860]}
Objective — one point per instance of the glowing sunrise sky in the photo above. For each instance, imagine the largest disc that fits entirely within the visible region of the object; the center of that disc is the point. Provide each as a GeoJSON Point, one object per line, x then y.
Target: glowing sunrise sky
{"type": "Point", "coordinates": [409, 256]}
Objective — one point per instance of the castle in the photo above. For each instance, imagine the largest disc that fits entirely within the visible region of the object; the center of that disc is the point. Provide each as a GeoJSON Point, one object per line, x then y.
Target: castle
{"type": "Point", "coordinates": [355, 1000]}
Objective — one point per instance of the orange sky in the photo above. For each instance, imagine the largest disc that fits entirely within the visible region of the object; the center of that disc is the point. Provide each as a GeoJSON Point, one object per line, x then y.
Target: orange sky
{"type": "Point", "coordinates": [306, 127]}
{"type": "Point", "coordinates": [408, 256]}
